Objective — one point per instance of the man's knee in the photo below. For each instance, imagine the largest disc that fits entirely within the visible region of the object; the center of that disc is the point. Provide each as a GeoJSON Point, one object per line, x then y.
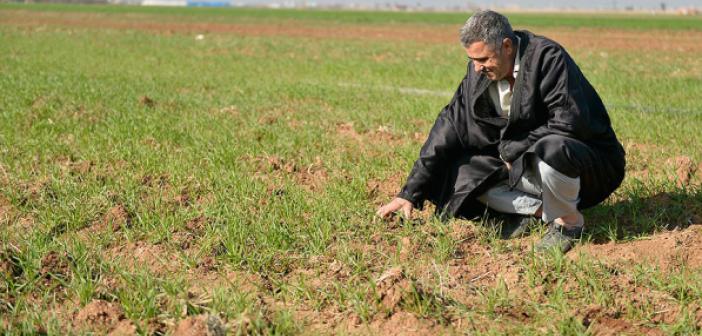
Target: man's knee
{"type": "Point", "coordinates": [566, 155]}
{"type": "Point", "coordinates": [554, 179]}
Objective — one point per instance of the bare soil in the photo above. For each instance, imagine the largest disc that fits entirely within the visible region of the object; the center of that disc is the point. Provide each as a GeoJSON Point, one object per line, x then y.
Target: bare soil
{"type": "Point", "coordinates": [684, 168]}
{"type": "Point", "coordinates": [273, 169]}
{"type": "Point", "coordinates": [101, 317]}
{"type": "Point", "coordinates": [55, 265]}
{"type": "Point", "coordinates": [666, 250]}
{"type": "Point", "coordinates": [200, 325]}
{"type": "Point", "coordinates": [140, 255]}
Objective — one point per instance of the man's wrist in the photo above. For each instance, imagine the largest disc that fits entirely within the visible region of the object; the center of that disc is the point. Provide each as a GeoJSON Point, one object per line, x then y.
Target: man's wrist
{"type": "Point", "coordinates": [403, 194]}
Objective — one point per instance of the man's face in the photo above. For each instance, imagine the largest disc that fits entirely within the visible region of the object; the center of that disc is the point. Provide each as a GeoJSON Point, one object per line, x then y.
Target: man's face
{"type": "Point", "coordinates": [486, 60]}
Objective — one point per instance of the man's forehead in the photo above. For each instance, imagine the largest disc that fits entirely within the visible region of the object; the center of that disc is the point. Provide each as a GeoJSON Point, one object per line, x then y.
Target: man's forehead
{"type": "Point", "coordinates": [478, 49]}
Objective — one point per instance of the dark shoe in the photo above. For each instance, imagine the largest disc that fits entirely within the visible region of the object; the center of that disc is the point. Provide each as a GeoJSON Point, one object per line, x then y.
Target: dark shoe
{"type": "Point", "coordinates": [560, 238]}
{"type": "Point", "coordinates": [515, 226]}
{"type": "Point", "coordinates": [510, 226]}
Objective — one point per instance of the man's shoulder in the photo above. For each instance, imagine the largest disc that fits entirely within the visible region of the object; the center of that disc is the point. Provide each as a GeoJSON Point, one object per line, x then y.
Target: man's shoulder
{"type": "Point", "coordinates": [538, 42]}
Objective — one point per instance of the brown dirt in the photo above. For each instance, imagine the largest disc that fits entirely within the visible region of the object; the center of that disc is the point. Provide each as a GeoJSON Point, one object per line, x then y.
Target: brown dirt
{"type": "Point", "coordinates": [183, 199]}
{"type": "Point", "coordinates": [100, 317]}
{"type": "Point", "coordinates": [34, 189]}
{"type": "Point", "coordinates": [139, 255]}
{"type": "Point", "coordinates": [7, 210]}
{"type": "Point", "coordinates": [114, 219]}
{"type": "Point", "coordinates": [160, 181]}
{"type": "Point", "coordinates": [272, 168]}
{"type": "Point", "coordinates": [201, 325]}
{"type": "Point", "coordinates": [154, 326]}
{"type": "Point", "coordinates": [394, 289]}
{"type": "Point", "coordinates": [313, 176]}
{"type": "Point", "coordinates": [346, 129]}
{"type": "Point", "coordinates": [579, 38]}
{"type": "Point", "coordinates": [482, 268]}
{"type": "Point", "coordinates": [643, 163]}
{"type": "Point", "coordinates": [611, 326]}
{"type": "Point", "coordinates": [124, 328]}
{"type": "Point", "coordinates": [404, 323]}
{"type": "Point", "coordinates": [603, 321]}
{"type": "Point", "coordinates": [684, 168]}
{"type": "Point", "coordinates": [638, 158]}
{"type": "Point", "coordinates": [9, 261]}
{"type": "Point", "coordinates": [79, 168]}
{"type": "Point", "coordinates": [146, 101]}
{"type": "Point", "coordinates": [380, 191]}
{"type": "Point", "coordinates": [108, 285]}
{"type": "Point", "coordinates": [194, 228]}
{"type": "Point", "coordinates": [408, 249]}
{"type": "Point", "coordinates": [667, 251]}
{"type": "Point", "coordinates": [55, 265]}
{"type": "Point", "coordinates": [381, 135]}
{"type": "Point", "coordinates": [320, 273]}
{"type": "Point", "coordinates": [392, 285]}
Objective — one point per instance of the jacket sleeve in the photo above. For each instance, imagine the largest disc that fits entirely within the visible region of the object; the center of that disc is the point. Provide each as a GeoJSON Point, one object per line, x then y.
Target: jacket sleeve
{"type": "Point", "coordinates": [442, 142]}
{"type": "Point", "coordinates": [560, 86]}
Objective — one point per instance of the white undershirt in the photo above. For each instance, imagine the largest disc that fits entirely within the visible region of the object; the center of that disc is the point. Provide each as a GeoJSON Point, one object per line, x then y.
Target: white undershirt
{"type": "Point", "coordinates": [500, 91]}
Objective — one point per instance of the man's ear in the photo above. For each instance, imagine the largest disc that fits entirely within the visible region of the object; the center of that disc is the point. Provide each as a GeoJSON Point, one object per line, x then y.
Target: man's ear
{"type": "Point", "coordinates": [507, 44]}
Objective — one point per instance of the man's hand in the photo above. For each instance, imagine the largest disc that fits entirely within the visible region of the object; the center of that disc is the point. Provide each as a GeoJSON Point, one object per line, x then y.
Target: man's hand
{"type": "Point", "coordinates": [395, 205]}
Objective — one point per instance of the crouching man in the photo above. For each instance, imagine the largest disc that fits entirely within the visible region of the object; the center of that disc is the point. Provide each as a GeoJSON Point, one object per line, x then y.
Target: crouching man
{"type": "Point", "coordinates": [525, 135]}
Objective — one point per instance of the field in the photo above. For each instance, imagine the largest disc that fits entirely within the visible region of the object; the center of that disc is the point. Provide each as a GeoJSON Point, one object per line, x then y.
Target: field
{"type": "Point", "coordinates": [173, 171]}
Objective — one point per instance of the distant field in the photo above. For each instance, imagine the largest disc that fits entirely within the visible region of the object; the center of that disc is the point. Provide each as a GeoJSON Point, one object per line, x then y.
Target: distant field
{"type": "Point", "coordinates": [164, 169]}
{"type": "Point", "coordinates": [628, 20]}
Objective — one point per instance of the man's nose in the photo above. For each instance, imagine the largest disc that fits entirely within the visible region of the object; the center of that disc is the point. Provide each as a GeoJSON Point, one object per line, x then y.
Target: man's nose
{"type": "Point", "coordinates": [478, 67]}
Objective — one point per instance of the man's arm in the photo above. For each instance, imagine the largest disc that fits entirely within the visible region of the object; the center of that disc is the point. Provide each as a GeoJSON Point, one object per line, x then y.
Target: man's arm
{"type": "Point", "coordinates": [442, 142]}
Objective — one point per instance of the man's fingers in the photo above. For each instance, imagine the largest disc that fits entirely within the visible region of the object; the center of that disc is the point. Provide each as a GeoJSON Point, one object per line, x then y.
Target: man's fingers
{"type": "Point", "coordinates": [393, 206]}
{"type": "Point", "coordinates": [407, 210]}
{"type": "Point", "coordinates": [385, 210]}
{"type": "Point", "coordinates": [382, 212]}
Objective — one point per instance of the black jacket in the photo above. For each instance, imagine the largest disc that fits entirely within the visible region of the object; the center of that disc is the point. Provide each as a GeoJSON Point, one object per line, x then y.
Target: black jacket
{"type": "Point", "coordinates": [555, 114]}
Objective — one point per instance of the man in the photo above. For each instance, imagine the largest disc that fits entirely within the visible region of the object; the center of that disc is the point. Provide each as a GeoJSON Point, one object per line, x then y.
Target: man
{"type": "Point", "coordinates": [525, 135]}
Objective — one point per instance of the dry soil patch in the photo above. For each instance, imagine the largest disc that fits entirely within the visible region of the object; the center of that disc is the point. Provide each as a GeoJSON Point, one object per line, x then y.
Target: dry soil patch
{"type": "Point", "coordinates": [666, 251]}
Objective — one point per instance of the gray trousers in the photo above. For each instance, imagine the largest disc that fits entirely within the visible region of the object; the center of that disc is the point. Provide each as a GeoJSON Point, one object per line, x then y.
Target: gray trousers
{"type": "Point", "coordinates": [541, 186]}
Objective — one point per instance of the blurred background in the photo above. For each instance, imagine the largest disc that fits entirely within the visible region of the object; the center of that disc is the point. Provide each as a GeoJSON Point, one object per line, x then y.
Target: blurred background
{"type": "Point", "coordinates": [683, 7]}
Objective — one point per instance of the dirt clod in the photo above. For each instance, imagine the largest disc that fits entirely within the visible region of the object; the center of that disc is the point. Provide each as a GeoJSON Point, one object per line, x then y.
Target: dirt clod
{"type": "Point", "coordinates": [147, 101]}
{"type": "Point", "coordinates": [183, 199]}
{"type": "Point", "coordinates": [155, 327]}
{"type": "Point", "coordinates": [200, 325]}
{"type": "Point", "coordinates": [6, 208]}
{"type": "Point", "coordinates": [160, 181]}
{"type": "Point", "coordinates": [124, 328]}
{"type": "Point", "coordinates": [392, 285]}
{"type": "Point", "coordinates": [667, 251]}
{"type": "Point", "coordinates": [405, 323]}
{"type": "Point", "coordinates": [116, 218]}
{"type": "Point", "coordinates": [10, 262]}
{"type": "Point", "coordinates": [55, 265]}
{"type": "Point", "coordinates": [81, 167]}
{"type": "Point", "coordinates": [684, 170]}
{"type": "Point", "coordinates": [99, 316]}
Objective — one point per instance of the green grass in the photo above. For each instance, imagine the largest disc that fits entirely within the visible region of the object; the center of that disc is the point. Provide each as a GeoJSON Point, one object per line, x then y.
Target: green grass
{"type": "Point", "coordinates": [252, 133]}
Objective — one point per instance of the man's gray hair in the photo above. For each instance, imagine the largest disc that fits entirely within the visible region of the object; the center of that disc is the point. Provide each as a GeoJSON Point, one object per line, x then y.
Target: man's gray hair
{"type": "Point", "coordinates": [489, 27]}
